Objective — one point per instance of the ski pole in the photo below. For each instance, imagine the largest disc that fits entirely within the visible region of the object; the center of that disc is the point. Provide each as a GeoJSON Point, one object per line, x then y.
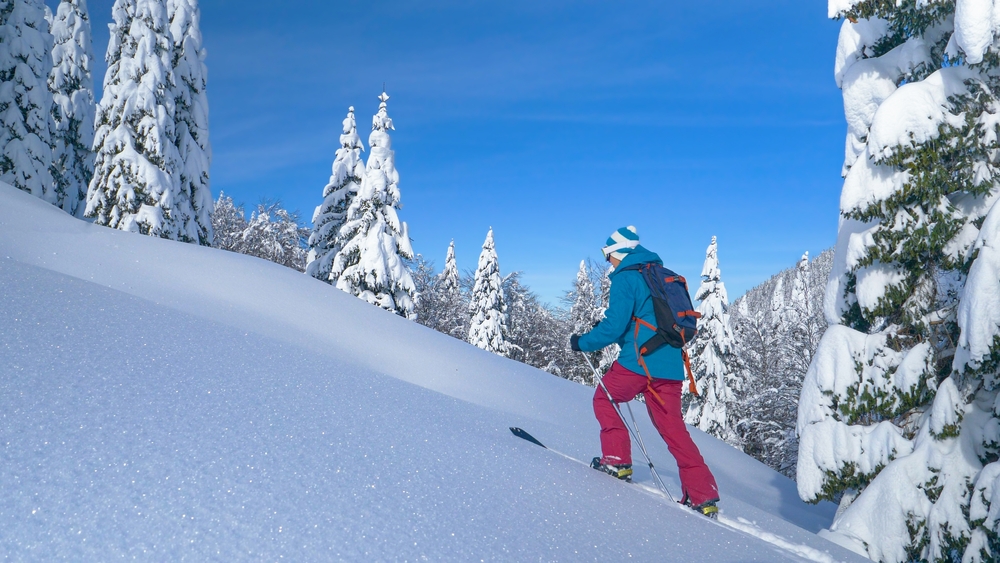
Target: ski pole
{"type": "Point", "coordinates": [634, 433]}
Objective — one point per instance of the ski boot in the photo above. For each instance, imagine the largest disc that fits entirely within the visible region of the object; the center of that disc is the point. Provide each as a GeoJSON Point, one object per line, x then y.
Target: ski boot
{"type": "Point", "coordinates": [623, 471]}
{"type": "Point", "coordinates": [707, 508]}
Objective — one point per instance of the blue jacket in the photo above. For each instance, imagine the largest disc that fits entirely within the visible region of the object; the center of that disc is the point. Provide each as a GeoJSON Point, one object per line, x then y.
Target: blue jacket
{"type": "Point", "coordinates": [630, 297]}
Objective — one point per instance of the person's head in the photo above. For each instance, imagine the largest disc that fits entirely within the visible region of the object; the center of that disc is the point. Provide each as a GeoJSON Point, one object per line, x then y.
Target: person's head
{"type": "Point", "coordinates": [620, 244]}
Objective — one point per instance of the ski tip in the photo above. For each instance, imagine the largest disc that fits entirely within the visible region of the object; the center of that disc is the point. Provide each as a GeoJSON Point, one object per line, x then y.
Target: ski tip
{"type": "Point", "coordinates": [525, 436]}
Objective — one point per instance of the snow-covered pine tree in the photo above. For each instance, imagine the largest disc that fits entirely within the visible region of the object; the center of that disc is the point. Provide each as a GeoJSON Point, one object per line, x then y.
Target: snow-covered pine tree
{"type": "Point", "coordinates": [228, 224]}
{"type": "Point", "coordinates": [374, 242]}
{"type": "Point", "coordinates": [537, 336]}
{"type": "Point", "coordinates": [609, 354]}
{"type": "Point", "coordinates": [453, 308]}
{"type": "Point", "coordinates": [585, 311]}
{"type": "Point", "coordinates": [329, 217]}
{"type": "Point", "coordinates": [25, 101]}
{"type": "Point", "coordinates": [712, 356]}
{"type": "Point", "coordinates": [191, 122]}
{"type": "Point", "coordinates": [487, 309]}
{"type": "Point", "coordinates": [801, 326]}
{"type": "Point", "coordinates": [770, 378]}
{"type": "Point", "coordinates": [72, 87]}
{"type": "Point", "coordinates": [425, 305]}
{"type": "Point", "coordinates": [135, 186]}
{"type": "Point", "coordinates": [893, 421]}
{"type": "Point", "coordinates": [273, 233]}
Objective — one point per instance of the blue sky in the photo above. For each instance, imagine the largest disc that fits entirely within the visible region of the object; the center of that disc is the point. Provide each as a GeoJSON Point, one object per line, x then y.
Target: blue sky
{"type": "Point", "coordinates": [553, 122]}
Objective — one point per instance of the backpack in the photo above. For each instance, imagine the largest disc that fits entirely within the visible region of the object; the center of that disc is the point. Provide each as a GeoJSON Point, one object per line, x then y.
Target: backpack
{"type": "Point", "coordinates": [676, 319]}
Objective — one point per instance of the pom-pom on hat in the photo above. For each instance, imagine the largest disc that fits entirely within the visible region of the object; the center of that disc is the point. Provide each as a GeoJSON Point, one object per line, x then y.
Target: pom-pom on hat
{"type": "Point", "coordinates": [621, 242]}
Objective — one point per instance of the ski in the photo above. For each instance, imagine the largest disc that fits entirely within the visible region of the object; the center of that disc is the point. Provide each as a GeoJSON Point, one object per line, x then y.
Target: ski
{"type": "Point", "coordinates": [739, 525]}
{"type": "Point", "coordinates": [520, 433]}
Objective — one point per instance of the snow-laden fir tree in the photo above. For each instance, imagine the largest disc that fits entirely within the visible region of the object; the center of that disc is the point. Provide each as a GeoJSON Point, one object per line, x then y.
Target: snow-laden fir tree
{"type": "Point", "coordinates": [536, 335]}
{"type": "Point", "coordinates": [228, 224]}
{"type": "Point", "coordinates": [135, 185]}
{"type": "Point", "coordinates": [191, 121]}
{"type": "Point", "coordinates": [72, 87]}
{"type": "Point", "coordinates": [441, 303]}
{"type": "Point", "coordinates": [585, 312]}
{"type": "Point", "coordinates": [712, 356]}
{"type": "Point", "coordinates": [765, 363]}
{"type": "Point", "coordinates": [453, 317]}
{"type": "Point", "coordinates": [329, 217]}
{"type": "Point", "coordinates": [273, 233]}
{"type": "Point", "coordinates": [610, 354]}
{"type": "Point", "coordinates": [898, 416]}
{"type": "Point", "coordinates": [374, 242]}
{"type": "Point", "coordinates": [487, 309]}
{"type": "Point", "coordinates": [801, 327]}
{"type": "Point", "coordinates": [25, 101]}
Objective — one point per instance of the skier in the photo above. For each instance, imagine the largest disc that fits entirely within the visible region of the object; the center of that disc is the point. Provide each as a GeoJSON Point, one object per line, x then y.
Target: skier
{"type": "Point", "coordinates": [660, 385]}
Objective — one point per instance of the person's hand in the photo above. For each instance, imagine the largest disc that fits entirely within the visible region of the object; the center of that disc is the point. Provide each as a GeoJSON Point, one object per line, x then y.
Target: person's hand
{"type": "Point", "coordinates": [574, 343]}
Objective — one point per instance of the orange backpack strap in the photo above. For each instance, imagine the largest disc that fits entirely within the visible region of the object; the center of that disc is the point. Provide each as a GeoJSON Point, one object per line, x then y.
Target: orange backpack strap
{"type": "Point", "coordinates": [642, 361]}
{"type": "Point", "coordinates": [687, 366]}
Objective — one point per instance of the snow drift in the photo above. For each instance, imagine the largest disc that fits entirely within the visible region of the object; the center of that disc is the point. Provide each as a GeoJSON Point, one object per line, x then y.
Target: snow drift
{"type": "Point", "coordinates": [161, 400]}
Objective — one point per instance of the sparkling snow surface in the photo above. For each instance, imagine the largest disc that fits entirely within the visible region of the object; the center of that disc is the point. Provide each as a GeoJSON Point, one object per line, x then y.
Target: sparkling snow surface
{"type": "Point", "coordinates": [160, 401]}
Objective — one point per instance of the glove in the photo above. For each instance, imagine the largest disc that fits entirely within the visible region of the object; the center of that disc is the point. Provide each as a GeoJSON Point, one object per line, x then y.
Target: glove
{"type": "Point", "coordinates": [574, 343]}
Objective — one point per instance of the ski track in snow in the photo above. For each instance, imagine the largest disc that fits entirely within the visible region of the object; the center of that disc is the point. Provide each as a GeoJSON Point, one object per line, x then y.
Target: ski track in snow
{"type": "Point", "coordinates": [741, 524]}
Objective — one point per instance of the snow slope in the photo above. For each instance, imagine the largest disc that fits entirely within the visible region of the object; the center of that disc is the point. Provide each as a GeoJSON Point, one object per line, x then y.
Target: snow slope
{"type": "Point", "coordinates": [161, 400]}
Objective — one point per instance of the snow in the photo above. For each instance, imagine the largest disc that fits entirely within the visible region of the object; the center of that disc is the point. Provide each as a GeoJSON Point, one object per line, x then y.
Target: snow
{"type": "Point", "coordinates": [975, 23]}
{"type": "Point", "coordinates": [896, 497]}
{"type": "Point", "coordinates": [374, 242]}
{"type": "Point", "coordinates": [867, 83]}
{"type": "Point", "coordinates": [165, 401]}
{"type": "Point", "coordinates": [854, 44]}
{"type": "Point", "coordinates": [712, 355]}
{"type": "Point", "coordinates": [835, 301]}
{"type": "Point", "coordinates": [72, 88]}
{"type": "Point", "coordinates": [874, 281]}
{"type": "Point", "coordinates": [913, 114]}
{"type": "Point", "coordinates": [979, 311]}
{"type": "Point", "coordinates": [488, 327]}
{"type": "Point", "coordinates": [837, 7]}
{"type": "Point", "coordinates": [868, 183]}
{"type": "Point", "coordinates": [827, 443]}
{"type": "Point", "coordinates": [25, 101]}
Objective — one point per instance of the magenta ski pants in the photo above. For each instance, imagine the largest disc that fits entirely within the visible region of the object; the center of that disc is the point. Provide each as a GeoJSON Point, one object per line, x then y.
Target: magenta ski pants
{"type": "Point", "coordinates": [697, 481]}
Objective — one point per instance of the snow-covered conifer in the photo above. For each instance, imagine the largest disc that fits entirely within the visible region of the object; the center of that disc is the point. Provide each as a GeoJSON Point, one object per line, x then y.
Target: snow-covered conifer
{"type": "Point", "coordinates": [136, 186]}
{"type": "Point", "coordinates": [228, 224]}
{"type": "Point", "coordinates": [453, 316]}
{"type": "Point", "coordinates": [536, 335]}
{"type": "Point", "coordinates": [801, 328]}
{"type": "Point", "coordinates": [348, 170]}
{"type": "Point", "coordinates": [25, 101]}
{"type": "Point", "coordinates": [487, 309]}
{"type": "Point", "coordinates": [72, 88]}
{"type": "Point", "coordinates": [891, 421]}
{"type": "Point", "coordinates": [374, 242]}
{"type": "Point", "coordinates": [609, 354]}
{"type": "Point", "coordinates": [585, 311]}
{"type": "Point", "coordinates": [191, 121]}
{"type": "Point", "coordinates": [711, 355]}
{"type": "Point", "coordinates": [274, 234]}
